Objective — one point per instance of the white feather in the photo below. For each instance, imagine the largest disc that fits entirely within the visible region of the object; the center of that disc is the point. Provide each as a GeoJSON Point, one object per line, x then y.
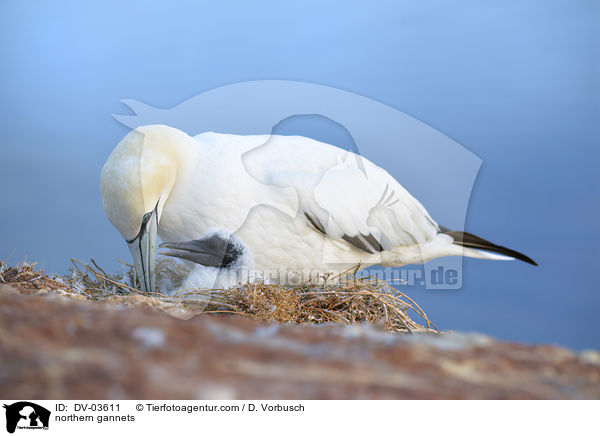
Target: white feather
{"type": "Point", "coordinates": [296, 203]}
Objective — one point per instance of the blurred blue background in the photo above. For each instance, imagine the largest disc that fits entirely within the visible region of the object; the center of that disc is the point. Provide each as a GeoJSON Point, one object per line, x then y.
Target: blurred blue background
{"type": "Point", "coordinates": [514, 82]}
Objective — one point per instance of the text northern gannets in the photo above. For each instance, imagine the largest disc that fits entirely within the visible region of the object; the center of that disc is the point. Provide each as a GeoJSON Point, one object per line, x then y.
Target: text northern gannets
{"type": "Point", "coordinates": [295, 203]}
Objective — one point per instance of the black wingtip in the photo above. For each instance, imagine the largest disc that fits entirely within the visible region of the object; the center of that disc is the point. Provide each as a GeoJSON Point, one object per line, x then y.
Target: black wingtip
{"type": "Point", "coordinates": [469, 240]}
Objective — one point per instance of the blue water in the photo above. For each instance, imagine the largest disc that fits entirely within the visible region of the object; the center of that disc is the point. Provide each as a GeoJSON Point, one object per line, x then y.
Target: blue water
{"type": "Point", "coordinates": [516, 83]}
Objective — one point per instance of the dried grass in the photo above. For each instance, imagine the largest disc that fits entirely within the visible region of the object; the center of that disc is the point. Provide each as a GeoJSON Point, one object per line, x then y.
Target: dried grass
{"type": "Point", "coordinates": [351, 300]}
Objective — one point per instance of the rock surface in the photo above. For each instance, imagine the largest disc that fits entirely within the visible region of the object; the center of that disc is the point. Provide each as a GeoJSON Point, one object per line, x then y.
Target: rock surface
{"type": "Point", "coordinates": [55, 347]}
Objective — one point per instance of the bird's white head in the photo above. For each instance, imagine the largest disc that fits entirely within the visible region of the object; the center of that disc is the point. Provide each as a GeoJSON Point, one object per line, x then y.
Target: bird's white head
{"type": "Point", "coordinates": [135, 184]}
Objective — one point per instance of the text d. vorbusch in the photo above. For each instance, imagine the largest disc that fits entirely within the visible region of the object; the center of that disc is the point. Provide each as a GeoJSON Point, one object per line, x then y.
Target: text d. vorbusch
{"type": "Point", "coordinates": [277, 407]}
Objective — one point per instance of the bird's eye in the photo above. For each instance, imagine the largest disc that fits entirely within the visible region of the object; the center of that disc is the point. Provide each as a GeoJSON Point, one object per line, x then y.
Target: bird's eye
{"type": "Point", "coordinates": [146, 217]}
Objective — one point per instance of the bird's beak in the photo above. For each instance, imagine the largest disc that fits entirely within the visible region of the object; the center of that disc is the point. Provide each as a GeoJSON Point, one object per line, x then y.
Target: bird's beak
{"type": "Point", "coordinates": [143, 251]}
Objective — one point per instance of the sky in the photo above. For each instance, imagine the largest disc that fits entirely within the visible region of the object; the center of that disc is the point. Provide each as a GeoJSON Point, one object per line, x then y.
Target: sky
{"type": "Point", "coordinates": [514, 82]}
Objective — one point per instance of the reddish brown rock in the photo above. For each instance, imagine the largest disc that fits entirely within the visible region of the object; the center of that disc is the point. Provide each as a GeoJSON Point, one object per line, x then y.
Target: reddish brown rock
{"type": "Point", "coordinates": [62, 348]}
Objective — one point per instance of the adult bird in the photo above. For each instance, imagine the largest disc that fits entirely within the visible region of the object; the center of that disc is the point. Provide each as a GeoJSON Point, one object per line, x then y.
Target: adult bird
{"type": "Point", "coordinates": [293, 204]}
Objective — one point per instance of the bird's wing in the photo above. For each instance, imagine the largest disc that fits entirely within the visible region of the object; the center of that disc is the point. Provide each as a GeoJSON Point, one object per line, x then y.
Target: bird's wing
{"type": "Point", "coordinates": [366, 208]}
{"type": "Point", "coordinates": [343, 195]}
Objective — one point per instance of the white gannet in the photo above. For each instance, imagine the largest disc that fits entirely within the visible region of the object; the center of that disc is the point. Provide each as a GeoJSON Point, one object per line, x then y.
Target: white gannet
{"type": "Point", "coordinates": [293, 203]}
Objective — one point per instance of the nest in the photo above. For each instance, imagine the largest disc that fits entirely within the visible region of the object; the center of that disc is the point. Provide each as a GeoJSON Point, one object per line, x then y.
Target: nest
{"type": "Point", "coordinates": [349, 300]}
